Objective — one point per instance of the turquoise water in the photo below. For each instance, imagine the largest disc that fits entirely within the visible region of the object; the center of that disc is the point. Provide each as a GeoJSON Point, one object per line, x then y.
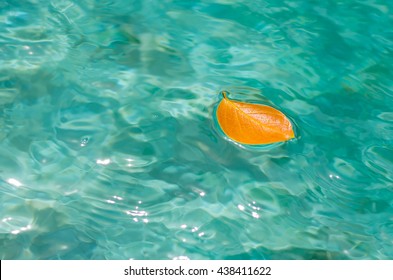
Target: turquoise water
{"type": "Point", "coordinates": [109, 148]}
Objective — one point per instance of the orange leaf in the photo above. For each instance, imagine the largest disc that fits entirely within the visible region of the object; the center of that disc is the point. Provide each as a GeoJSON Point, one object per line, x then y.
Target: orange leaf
{"type": "Point", "coordinates": [253, 124]}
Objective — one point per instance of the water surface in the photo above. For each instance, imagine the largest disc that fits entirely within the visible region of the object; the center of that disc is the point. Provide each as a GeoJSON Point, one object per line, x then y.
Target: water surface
{"type": "Point", "coordinates": [109, 149]}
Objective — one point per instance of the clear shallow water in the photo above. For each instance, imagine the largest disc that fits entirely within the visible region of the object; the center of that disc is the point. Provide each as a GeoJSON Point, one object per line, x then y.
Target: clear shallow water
{"type": "Point", "coordinates": [109, 149]}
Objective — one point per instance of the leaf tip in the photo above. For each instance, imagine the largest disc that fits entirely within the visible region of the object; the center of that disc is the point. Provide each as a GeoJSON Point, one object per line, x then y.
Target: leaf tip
{"type": "Point", "coordinates": [224, 94]}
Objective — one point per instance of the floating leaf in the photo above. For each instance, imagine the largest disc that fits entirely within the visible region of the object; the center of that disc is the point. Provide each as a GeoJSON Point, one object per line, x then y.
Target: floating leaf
{"type": "Point", "coordinates": [253, 124]}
